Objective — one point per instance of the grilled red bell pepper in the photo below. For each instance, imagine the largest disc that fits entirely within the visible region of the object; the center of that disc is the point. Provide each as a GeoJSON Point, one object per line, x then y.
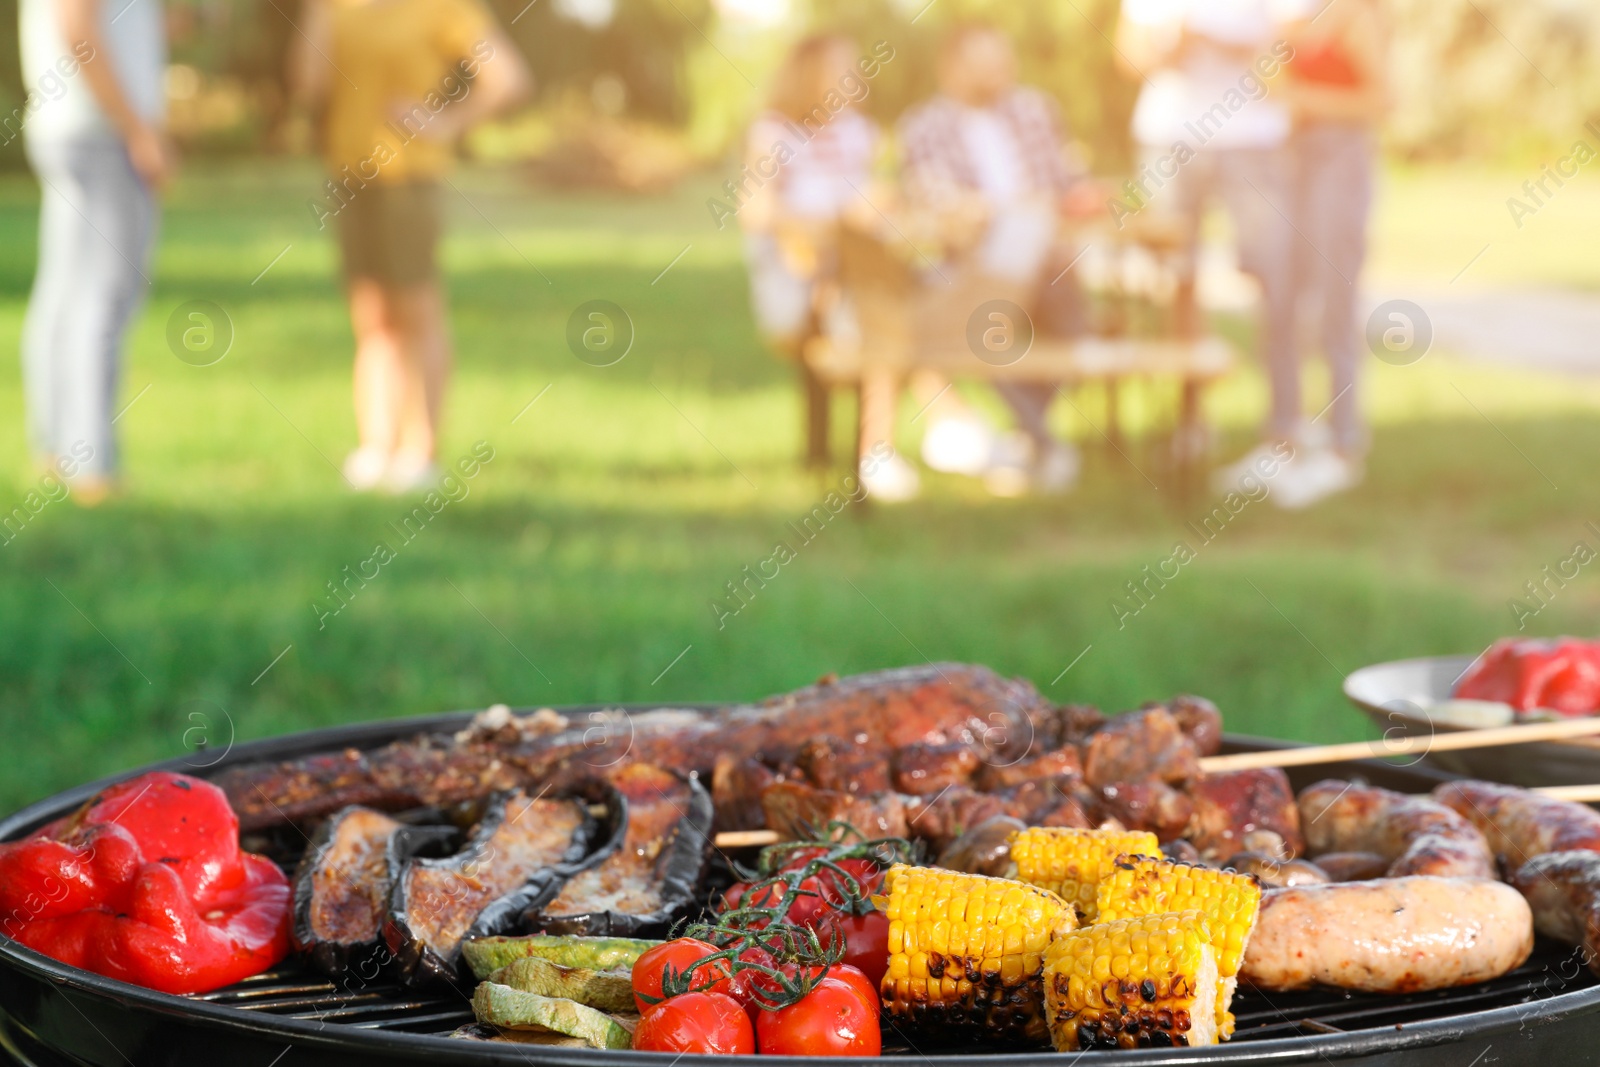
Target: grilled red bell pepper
{"type": "Point", "coordinates": [146, 883]}
{"type": "Point", "coordinates": [1562, 675]}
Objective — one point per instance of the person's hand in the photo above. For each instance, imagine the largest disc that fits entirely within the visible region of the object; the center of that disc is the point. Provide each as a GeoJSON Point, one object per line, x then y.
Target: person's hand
{"type": "Point", "coordinates": [152, 155]}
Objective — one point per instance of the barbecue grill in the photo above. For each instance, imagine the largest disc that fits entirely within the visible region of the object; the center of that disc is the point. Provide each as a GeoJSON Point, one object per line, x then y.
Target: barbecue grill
{"type": "Point", "coordinates": [1546, 1012]}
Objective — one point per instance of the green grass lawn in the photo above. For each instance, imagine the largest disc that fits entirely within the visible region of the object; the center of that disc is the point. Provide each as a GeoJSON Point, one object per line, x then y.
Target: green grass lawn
{"type": "Point", "coordinates": [583, 564]}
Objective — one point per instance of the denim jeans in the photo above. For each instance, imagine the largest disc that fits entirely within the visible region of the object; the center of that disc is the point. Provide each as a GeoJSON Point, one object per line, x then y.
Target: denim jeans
{"type": "Point", "coordinates": [1254, 186]}
{"type": "Point", "coordinates": [1333, 195]}
{"type": "Point", "coordinates": [97, 223]}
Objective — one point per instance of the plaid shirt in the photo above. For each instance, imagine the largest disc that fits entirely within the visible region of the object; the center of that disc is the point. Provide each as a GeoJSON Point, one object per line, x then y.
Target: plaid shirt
{"type": "Point", "coordinates": [936, 159]}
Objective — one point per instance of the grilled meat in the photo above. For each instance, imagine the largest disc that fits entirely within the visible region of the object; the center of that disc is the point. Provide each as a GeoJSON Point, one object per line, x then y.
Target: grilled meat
{"type": "Point", "coordinates": [1397, 935]}
{"type": "Point", "coordinates": [985, 849]}
{"type": "Point", "coordinates": [796, 810]}
{"type": "Point", "coordinates": [1353, 866]}
{"type": "Point", "coordinates": [1200, 720]}
{"type": "Point", "coordinates": [943, 818]}
{"type": "Point", "coordinates": [844, 767]}
{"type": "Point", "coordinates": [1231, 805]}
{"type": "Point", "coordinates": [520, 852]}
{"type": "Point", "coordinates": [1153, 806]}
{"type": "Point", "coordinates": [1276, 874]}
{"type": "Point", "coordinates": [924, 769]}
{"type": "Point", "coordinates": [736, 785]}
{"type": "Point", "coordinates": [877, 713]}
{"type": "Point", "coordinates": [1051, 764]}
{"type": "Point", "coordinates": [1520, 825]}
{"type": "Point", "coordinates": [1417, 835]}
{"type": "Point", "coordinates": [1563, 889]}
{"type": "Point", "coordinates": [1140, 746]}
{"type": "Point", "coordinates": [652, 879]}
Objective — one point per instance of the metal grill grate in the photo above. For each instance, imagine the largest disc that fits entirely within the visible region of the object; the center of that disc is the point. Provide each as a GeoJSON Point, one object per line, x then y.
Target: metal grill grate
{"type": "Point", "coordinates": [295, 993]}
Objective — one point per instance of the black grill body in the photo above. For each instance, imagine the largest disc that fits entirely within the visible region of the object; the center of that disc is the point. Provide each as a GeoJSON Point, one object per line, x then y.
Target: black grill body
{"type": "Point", "coordinates": [1546, 1013]}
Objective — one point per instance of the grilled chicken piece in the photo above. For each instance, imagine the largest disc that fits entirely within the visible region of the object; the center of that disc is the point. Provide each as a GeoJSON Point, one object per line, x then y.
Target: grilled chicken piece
{"type": "Point", "coordinates": [829, 763]}
{"type": "Point", "coordinates": [1353, 866]}
{"type": "Point", "coordinates": [1230, 805]}
{"type": "Point", "coordinates": [1139, 746]}
{"type": "Point", "coordinates": [1417, 835]}
{"type": "Point", "coordinates": [924, 769]}
{"type": "Point", "coordinates": [1064, 760]}
{"type": "Point", "coordinates": [796, 810]}
{"type": "Point", "coordinates": [1520, 825]}
{"type": "Point", "coordinates": [1153, 806]}
{"type": "Point", "coordinates": [736, 786]}
{"type": "Point", "coordinates": [877, 713]}
{"type": "Point", "coordinates": [1563, 889]}
{"type": "Point", "coordinates": [1395, 935]}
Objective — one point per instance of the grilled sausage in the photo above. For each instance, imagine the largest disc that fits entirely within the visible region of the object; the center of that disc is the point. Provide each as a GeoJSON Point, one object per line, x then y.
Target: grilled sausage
{"type": "Point", "coordinates": [1394, 935]}
{"type": "Point", "coordinates": [1415, 834]}
{"type": "Point", "coordinates": [1520, 825]}
{"type": "Point", "coordinates": [1563, 888]}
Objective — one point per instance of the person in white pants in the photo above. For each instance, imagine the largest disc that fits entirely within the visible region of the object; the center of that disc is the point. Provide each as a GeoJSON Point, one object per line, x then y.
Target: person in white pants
{"type": "Point", "coordinates": [93, 128]}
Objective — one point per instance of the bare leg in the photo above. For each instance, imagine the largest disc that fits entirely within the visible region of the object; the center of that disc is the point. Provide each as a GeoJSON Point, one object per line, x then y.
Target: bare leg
{"type": "Point", "coordinates": [421, 312]}
{"type": "Point", "coordinates": [380, 366]}
{"type": "Point", "coordinates": [880, 390]}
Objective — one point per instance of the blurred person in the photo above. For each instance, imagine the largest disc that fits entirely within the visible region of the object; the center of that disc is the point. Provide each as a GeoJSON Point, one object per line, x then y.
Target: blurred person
{"type": "Point", "coordinates": [991, 154]}
{"type": "Point", "coordinates": [1337, 90]}
{"type": "Point", "coordinates": [95, 138]}
{"type": "Point", "coordinates": [397, 83]}
{"type": "Point", "coordinates": [1210, 131]}
{"type": "Point", "coordinates": [820, 160]}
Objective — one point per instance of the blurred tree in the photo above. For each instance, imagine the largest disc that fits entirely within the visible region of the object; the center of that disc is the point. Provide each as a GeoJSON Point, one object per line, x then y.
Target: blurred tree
{"type": "Point", "coordinates": [1494, 79]}
{"type": "Point", "coordinates": [630, 61]}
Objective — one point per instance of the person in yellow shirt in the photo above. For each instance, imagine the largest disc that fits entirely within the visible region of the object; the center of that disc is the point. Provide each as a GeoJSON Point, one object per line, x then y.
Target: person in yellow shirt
{"type": "Point", "coordinates": [395, 83]}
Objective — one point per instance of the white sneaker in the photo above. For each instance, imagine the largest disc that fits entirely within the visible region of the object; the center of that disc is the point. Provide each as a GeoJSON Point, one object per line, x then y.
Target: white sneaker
{"type": "Point", "coordinates": [1311, 477]}
{"type": "Point", "coordinates": [892, 481]}
{"type": "Point", "coordinates": [959, 446]}
{"type": "Point", "coordinates": [410, 474]}
{"type": "Point", "coordinates": [1266, 456]}
{"type": "Point", "coordinates": [365, 469]}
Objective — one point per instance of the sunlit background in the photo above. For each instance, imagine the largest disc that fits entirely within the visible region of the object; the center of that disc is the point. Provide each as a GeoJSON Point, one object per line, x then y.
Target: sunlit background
{"type": "Point", "coordinates": [584, 564]}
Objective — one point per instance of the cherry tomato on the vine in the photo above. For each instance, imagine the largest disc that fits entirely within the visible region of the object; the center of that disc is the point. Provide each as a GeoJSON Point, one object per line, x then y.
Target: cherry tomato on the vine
{"type": "Point", "coordinates": [831, 1020]}
{"type": "Point", "coordinates": [855, 979]}
{"type": "Point", "coordinates": [866, 941]}
{"type": "Point", "coordinates": [649, 969]}
{"type": "Point", "coordinates": [696, 1022]}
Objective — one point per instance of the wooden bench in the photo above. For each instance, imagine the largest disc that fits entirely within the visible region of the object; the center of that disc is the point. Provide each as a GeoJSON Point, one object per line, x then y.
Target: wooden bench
{"type": "Point", "coordinates": [935, 322]}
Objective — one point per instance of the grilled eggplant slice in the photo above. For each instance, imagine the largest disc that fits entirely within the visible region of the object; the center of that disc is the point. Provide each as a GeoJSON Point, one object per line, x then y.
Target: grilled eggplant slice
{"type": "Point", "coordinates": [343, 885]}
{"type": "Point", "coordinates": [652, 880]}
{"type": "Point", "coordinates": [520, 854]}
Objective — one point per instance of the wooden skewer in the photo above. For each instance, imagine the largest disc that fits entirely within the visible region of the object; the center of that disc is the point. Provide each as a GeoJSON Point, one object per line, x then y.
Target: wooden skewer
{"type": "Point", "coordinates": [1580, 794]}
{"type": "Point", "coordinates": [1415, 745]}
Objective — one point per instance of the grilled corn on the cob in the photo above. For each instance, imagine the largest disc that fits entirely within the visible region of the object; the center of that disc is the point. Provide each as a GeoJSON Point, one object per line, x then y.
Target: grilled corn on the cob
{"type": "Point", "coordinates": [966, 953]}
{"type": "Point", "coordinates": [1146, 982]}
{"type": "Point", "coordinates": [1140, 885]}
{"type": "Point", "coordinates": [1071, 862]}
